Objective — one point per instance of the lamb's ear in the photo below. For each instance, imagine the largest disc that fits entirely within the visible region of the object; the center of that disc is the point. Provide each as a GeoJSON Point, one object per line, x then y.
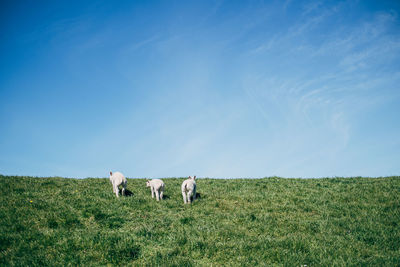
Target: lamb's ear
{"type": "Point", "coordinates": [111, 173]}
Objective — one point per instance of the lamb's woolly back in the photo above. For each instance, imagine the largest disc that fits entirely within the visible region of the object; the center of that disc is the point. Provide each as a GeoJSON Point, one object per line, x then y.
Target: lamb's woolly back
{"type": "Point", "coordinates": [189, 183]}
{"type": "Point", "coordinates": [157, 188]}
{"type": "Point", "coordinates": [189, 189]}
{"type": "Point", "coordinates": [156, 184]}
{"type": "Point", "coordinates": [118, 179]}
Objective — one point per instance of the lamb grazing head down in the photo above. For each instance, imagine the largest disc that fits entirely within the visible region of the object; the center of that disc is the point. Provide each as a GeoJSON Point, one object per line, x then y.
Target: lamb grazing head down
{"type": "Point", "coordinates": [118, 179]}
{"type": "Point", "coordinates": [189, 189]}
{"type": "Point", "coordinates": [157, 188]}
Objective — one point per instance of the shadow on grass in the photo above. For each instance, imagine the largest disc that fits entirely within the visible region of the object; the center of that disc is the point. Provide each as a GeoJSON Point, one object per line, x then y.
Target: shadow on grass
{"type": "Point", "coordinates": [198, 197]}
{"type": "Point", "coordinates": [163, 198]}
{"type": "Point", "coordinates": [128, 193]}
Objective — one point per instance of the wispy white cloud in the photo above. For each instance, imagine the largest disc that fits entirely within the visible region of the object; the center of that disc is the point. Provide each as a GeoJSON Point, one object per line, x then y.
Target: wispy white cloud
{"type": "Point", "coordinates": [145, 42]}
{"type": "Point", "coordinates": [286, 4]}
{"type": "Point", "coordinates": [311, 7]}
{"type": "Point", "coordinates": [312, 16]}
{"type": "Point", "coordinates": [324, 103]}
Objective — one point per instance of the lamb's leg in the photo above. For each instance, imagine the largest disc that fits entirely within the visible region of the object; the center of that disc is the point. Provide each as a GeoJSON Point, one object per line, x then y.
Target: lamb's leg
{"type": "Point", "coordinates": [123, 188]}
{"type": "Point", "coordinates": [184, 196]}
{"type": "Point", "coordinates": [158, 195]}
{"type": "Point", "coordinates": [189, 194]}
{"type": "Point", "coordinates": [152, 192]}
{"type": "Point", "coordinates": [116, 191]}
{"type": "Point", "coordinates": [162, 194]}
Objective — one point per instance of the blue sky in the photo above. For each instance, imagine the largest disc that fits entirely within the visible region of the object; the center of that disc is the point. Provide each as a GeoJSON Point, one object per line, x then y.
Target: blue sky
{"type": "Point", "coordinates": [206, 88]}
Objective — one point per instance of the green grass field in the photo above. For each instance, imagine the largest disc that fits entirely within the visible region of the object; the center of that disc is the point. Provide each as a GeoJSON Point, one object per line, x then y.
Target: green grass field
{"type": "Point", "coordinates": [238, 222]}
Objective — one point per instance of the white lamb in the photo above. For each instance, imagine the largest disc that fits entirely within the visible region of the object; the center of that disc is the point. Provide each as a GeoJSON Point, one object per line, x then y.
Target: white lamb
{"type": "Point", "coordinates": [157, 187]}
{"type": "Point", "coordinates": [189, 189]}
{"type": "Point", "coordinates": [118, 179]}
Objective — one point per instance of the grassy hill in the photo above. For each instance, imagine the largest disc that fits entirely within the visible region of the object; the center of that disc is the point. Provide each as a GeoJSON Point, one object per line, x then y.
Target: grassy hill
{"type": "Point", "coordinates": [271, 221]}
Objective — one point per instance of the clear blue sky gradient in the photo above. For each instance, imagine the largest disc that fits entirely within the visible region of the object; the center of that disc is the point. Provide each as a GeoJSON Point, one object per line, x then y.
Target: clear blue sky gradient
{"type": "Point", "coordinates": [206, 88]}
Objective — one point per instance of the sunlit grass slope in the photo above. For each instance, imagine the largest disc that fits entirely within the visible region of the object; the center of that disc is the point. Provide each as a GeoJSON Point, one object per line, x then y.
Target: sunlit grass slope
{"type": "Point", "coordinates": [249, 222]}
